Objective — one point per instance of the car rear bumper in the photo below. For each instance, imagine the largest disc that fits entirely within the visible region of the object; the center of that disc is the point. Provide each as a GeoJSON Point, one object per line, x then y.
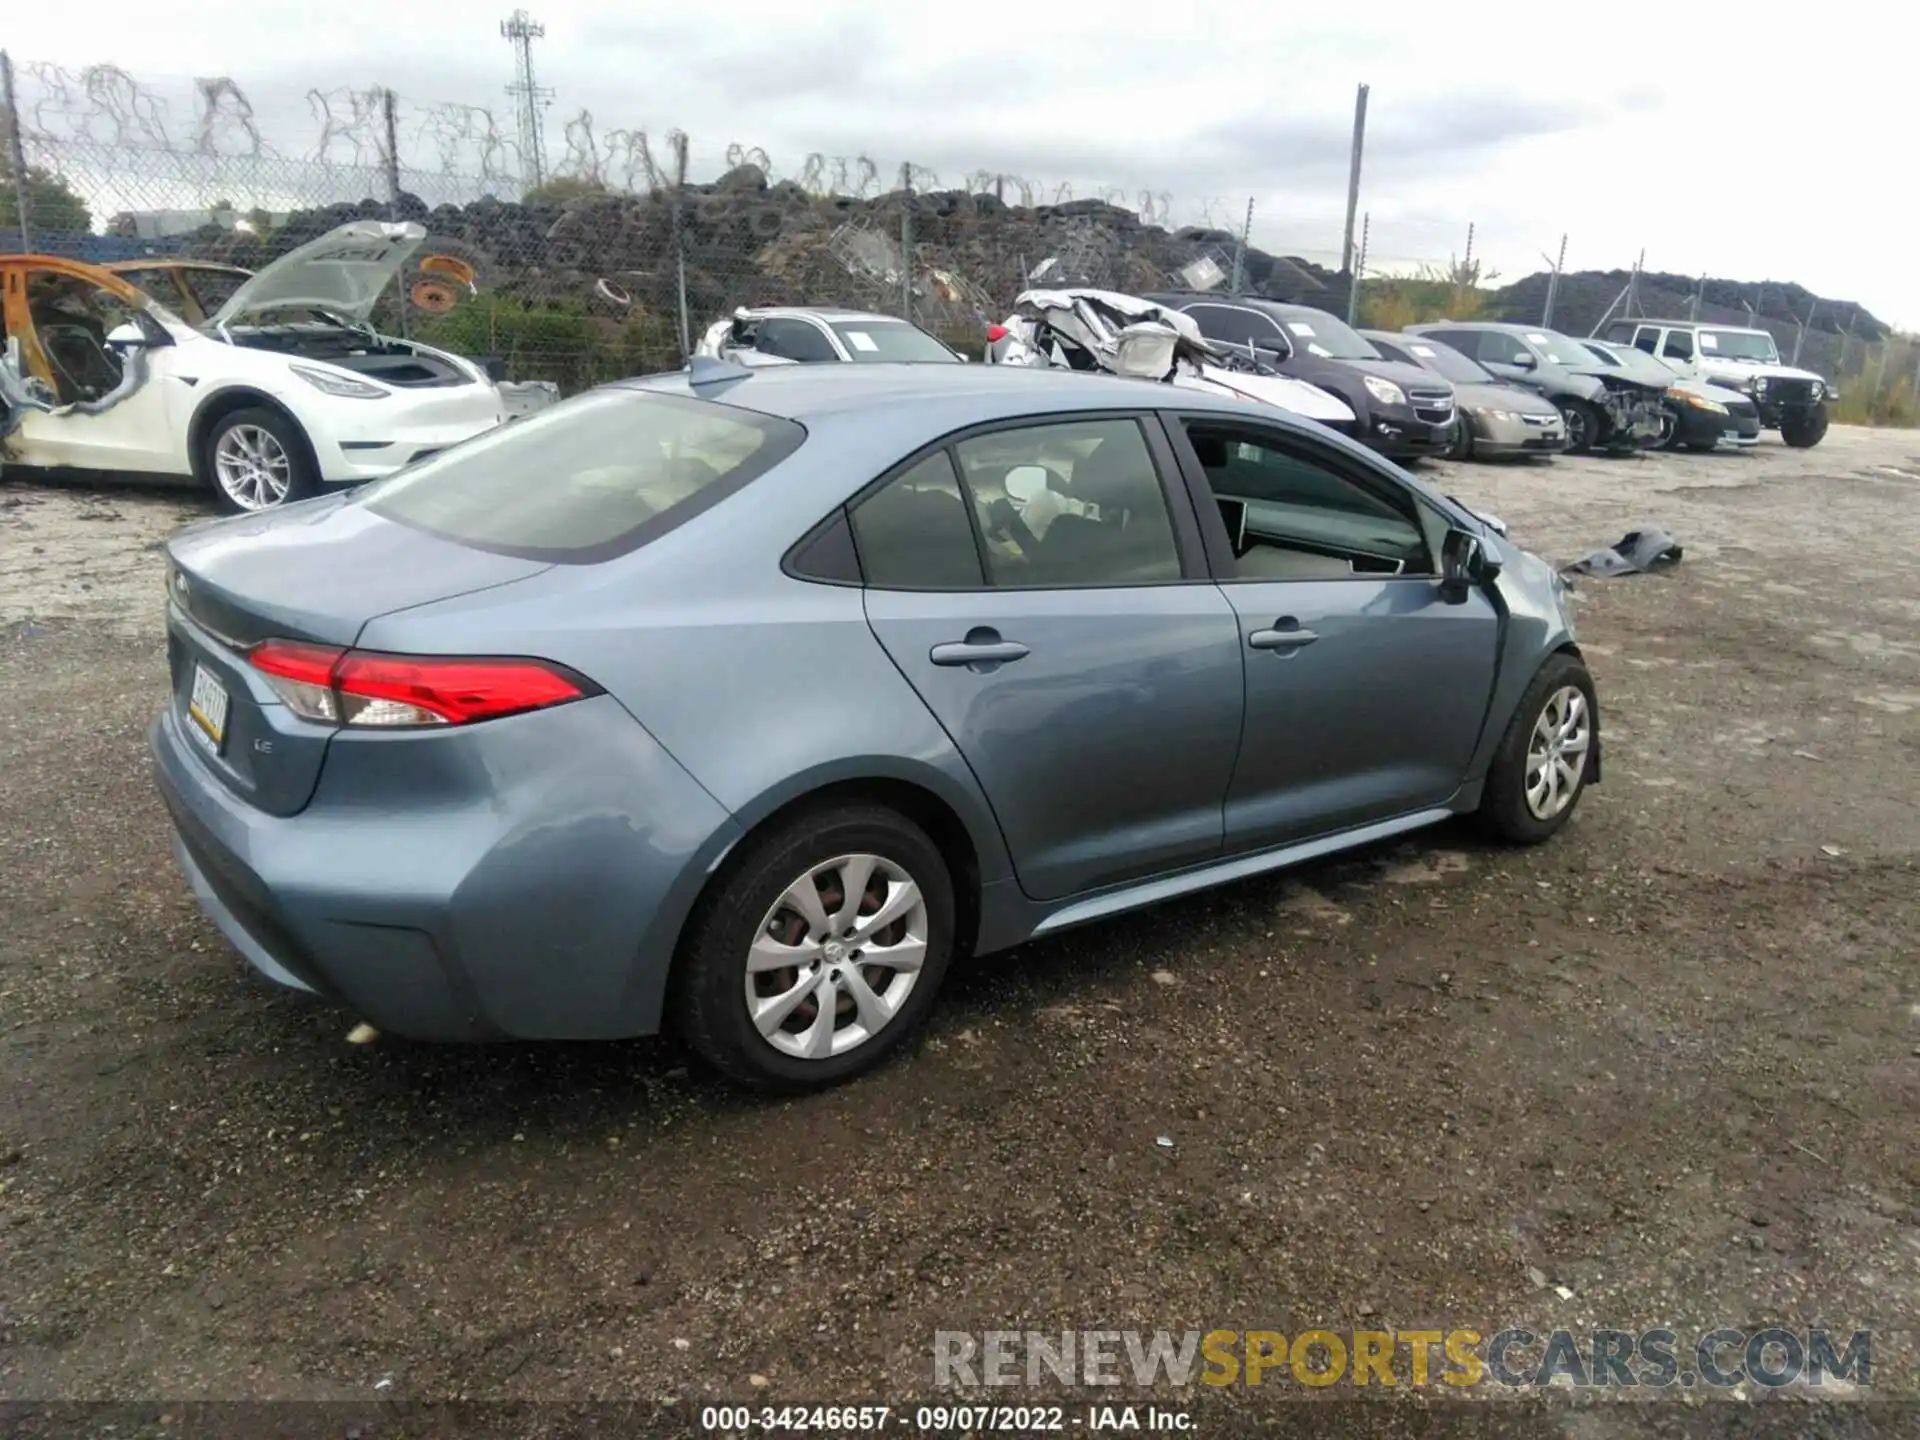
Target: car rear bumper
{"type": "Point", "coordinates": [526, 879]}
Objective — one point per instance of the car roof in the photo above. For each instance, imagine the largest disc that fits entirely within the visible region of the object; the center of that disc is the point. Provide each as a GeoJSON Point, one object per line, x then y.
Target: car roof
{"type": "Point", "coordinates": [1693, 325]}
{"type": "Point", "coordinates": [965, 394]}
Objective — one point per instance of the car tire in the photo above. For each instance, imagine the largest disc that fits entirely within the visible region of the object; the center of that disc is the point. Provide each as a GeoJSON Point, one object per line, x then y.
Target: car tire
{"type": "Point", "coordinates": [1513, 805]}
{"type": "Point", "coordinates": [1461, 446]}
{"type": "Point", "coordinates": [751, 913]}
{"type": "Point", "coordinates": [1583, 426]}
{"type": "Point", "coordinates": [258, 459]}
{"type": "Point", "coordinates": [1805, 434]}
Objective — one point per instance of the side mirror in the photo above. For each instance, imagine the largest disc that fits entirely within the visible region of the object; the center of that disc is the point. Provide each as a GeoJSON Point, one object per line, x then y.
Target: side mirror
{"type": "Point", "coordinates": [1525, 361]}
{"type": "Point", "coordinates": [1464, 563]}
{"type": "Point", "coordinates": [127, 337]}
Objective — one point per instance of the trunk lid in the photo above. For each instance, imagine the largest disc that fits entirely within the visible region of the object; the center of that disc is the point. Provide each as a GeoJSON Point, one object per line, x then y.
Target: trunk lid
{"type": "Point", "coordinates": [344, 272]}
{"type": "Point", "coordinates": [317, 572]}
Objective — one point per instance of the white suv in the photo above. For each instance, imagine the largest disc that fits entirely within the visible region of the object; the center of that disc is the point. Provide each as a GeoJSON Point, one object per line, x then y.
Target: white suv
{"type": "Point", "coordinates": [1794, 402]}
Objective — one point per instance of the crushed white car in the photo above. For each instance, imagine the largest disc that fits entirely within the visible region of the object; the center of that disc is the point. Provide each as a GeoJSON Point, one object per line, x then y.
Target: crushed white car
{"type": "Point", "coordinates": [285, 388]}
{"type": "Point", "coordinates": [1088, 329]}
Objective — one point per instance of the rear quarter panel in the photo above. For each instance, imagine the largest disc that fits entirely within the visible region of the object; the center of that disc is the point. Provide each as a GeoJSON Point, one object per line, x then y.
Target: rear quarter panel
{"type": "Point", "coordinates": [765, 687]}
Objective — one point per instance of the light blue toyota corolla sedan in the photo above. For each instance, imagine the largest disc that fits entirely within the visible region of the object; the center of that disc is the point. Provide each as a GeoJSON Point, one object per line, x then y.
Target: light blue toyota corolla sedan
{"type": "Point", "coordinates": [743, 701]}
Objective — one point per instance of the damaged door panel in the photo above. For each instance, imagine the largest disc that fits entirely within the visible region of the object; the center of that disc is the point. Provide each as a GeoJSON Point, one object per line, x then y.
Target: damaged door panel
{"type": "Point", "coordinates": [79, 378]}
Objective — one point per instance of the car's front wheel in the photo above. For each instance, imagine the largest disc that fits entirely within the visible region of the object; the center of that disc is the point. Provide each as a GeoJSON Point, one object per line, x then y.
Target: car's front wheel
{"type": "Point", "coordinates": [1583, 425]}
{"type": "Point", "coordinates": [1805, 431]}
{"type": "Point", "coordinates": [257, 459]}
{"type": "Point", "coordinates": [819, 951]}
{"type": "Point", "coordinates": [1546, 755]}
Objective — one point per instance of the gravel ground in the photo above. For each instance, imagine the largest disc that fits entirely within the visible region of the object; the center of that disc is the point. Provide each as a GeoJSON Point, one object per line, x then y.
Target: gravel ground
{"type": "Point", "coordinates": [1660, 1071]}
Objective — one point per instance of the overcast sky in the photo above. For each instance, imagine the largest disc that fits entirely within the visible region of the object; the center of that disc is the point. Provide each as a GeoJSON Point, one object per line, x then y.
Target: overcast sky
{"type": "Point", "coordinates": [1778, 143]}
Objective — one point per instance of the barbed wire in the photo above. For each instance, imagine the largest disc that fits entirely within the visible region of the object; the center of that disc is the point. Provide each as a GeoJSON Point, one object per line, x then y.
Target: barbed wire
{"type": "Point", "coordinates": [616, 266]}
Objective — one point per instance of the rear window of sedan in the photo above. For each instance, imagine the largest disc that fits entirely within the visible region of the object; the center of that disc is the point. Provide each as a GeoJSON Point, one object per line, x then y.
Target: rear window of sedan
{"type": "Point", "coordinates": [588, 479]}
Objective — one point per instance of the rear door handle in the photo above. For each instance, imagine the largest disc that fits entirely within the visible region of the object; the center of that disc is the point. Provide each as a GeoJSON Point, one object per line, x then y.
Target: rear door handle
{"type": "Point", "coordinates": [1286, 634]}
{"type": "Point", "coordinates": [982, 650]}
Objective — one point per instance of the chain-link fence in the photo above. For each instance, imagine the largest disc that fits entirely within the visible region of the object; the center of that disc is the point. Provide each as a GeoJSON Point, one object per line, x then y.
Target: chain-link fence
{"type": "Point", "coordinates": [627, 243]}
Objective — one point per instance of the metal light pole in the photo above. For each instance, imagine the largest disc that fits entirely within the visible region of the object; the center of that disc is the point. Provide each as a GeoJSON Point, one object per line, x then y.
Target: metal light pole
{"type": "Point", "coordinates": [1353, 176]}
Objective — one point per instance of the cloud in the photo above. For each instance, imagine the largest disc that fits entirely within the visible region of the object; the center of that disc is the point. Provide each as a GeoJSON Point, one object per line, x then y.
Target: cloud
{"type": "Point", "coordinates": [1208, 106]}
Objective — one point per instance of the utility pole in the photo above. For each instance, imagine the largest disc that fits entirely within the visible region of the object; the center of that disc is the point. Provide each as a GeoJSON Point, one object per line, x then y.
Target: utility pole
{"type": "Point", "coordinates": [1553, 283]}
{"type": "Point", "coordinates": [1240, 250]}
{"type": "Point", "coordinates": [390, 160]}
{"type": "Point", "coordinates": [1359, 269]}
{"type": "Point", "coordinates": [16, 151]}
{"type": "Point", "coordinates": [1353, 178]}
{"type": "Point", "coordinates": [521, 30]}
{"type": "Point", "coordinates": [1699, 294]}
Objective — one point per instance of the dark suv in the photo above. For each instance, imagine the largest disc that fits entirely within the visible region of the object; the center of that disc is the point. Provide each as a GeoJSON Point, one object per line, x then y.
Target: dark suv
{"type": "Point", "coordinates": [1399, 410]}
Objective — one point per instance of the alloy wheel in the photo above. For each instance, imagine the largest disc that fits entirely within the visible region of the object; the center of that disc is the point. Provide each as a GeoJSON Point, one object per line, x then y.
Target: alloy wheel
{"type": "Point", "coordinates": [252, 467]}
{"type": "Point", "coordinates": [836, 956]}
{"type": "Point", "coordinates": [1576, 421]}
{"type": "Point", "coordinates": [1557, 752]}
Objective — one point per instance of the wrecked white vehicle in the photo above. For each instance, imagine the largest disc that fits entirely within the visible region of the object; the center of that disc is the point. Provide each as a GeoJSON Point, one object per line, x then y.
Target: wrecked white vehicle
{"type": "Point", "coordinates": [1087, 329]}
{"type": "Point", "coordinates": [284, 388]}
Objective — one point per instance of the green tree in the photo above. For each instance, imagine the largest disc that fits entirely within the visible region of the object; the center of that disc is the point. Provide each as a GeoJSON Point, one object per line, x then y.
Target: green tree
{"type": "Point", "coordinates": [52, 205]}
{"type": "Point", "coordinates": [1456, 292]}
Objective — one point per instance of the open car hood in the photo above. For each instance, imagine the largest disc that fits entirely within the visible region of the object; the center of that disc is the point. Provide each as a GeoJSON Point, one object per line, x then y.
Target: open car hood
{"type": "Point", "coordinates": [1099, 324]}
{"type": "Point", "coordinates": [344, 272]}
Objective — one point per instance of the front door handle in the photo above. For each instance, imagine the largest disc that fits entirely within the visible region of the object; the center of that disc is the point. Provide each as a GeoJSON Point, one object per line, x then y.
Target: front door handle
{"type": "Point", "coordinates": [981, 651]}
{"type": "Point", "coordinates": [1286, 634]}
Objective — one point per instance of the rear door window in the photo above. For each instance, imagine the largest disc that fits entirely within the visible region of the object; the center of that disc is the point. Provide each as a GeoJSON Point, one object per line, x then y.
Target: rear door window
{"type": "Point", "coordinates": [1076, 503]}
{"type": "Point", "coordinates": [913, 532]}
{"type": "Point", "coordinates": [587, 479]}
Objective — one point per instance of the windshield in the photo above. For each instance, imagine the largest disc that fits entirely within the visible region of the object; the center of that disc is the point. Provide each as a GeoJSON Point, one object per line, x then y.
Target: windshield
{"type": "Point", "coordinates": [1603, 355]}
{"type": "Point", "coordinates": [588, 479]}
{"type": "Point", "coordinates": [1314, 333]}
{"type": "Point", "coordinates": [1560, 349]}
{"type": "Point", "coordinates": [1448, 363]}
{"type": "Point", "coordinates": [890, 340]}
{"type": "Point", "coordinates": [1754, 345]}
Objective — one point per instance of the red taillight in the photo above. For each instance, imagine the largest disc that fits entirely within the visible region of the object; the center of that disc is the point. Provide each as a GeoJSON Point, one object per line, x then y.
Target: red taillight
{"type": "Point", "coordinates": [358, 687]}
{"type": "Point", "coordinates": [996, 333]}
